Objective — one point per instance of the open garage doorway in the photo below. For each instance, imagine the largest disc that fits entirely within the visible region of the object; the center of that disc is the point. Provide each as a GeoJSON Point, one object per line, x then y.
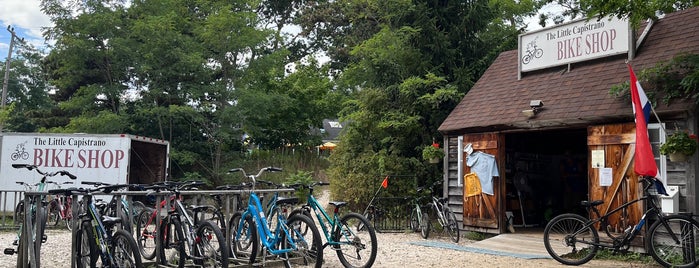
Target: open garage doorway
{"type": "Point", "coordinates": [546, 175]}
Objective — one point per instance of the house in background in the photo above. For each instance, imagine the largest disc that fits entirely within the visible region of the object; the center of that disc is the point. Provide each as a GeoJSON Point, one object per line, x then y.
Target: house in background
{"type": "Point", "coordinates": [330, 133]}
{"type": "Point", "coordinates": [546, 114]}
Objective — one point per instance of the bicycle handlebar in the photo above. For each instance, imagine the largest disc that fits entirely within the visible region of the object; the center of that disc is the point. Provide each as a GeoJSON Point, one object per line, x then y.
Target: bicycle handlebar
{"type": "Point", "coordinates": [45, 174]}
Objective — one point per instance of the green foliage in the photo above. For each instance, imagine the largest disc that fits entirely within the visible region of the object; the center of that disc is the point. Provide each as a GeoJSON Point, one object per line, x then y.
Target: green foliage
{"type": "Point", "coordinates": [303, 178]}
{"type": "Point", "coordinates": [430, 152]}
{"type": "Point", "coordinates": [679, 142]}
{"type": "Point", "coordinates": [677, 78]}
{"type": "Point", "coordinates": [635, 10]}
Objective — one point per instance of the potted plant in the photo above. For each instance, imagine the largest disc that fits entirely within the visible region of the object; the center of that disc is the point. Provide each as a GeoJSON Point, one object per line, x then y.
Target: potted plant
{"type": "Point", "coordinates": [432, 153]}
{"type": "Point", "coordinates": [679, 146]}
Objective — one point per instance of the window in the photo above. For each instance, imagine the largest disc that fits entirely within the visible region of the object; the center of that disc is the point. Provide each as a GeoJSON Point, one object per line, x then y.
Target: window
{"type": "Point", "coordinates": [656, 135]}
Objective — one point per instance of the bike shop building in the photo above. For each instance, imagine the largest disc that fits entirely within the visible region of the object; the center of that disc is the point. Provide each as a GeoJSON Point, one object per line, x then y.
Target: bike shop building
{"type": "Point", "coordinates": [555, 135]}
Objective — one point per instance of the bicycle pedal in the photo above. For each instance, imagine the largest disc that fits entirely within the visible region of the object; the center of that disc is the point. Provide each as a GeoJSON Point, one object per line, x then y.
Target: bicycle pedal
{"type": "Point", "coordinates": [44, 238]}
{"type": "Point", "coordinates": [9, 251]}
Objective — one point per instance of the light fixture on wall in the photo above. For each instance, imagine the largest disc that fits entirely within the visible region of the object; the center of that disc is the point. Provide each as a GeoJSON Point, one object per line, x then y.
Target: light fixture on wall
{"type": "Point", "coordinates": [535, 108]}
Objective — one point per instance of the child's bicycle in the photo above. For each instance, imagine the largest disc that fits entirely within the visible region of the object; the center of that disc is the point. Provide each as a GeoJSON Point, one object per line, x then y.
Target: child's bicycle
{"type": "Point", "coordinates": [354, 247]}
{"type": "Point", "coordinates": [673, 241]}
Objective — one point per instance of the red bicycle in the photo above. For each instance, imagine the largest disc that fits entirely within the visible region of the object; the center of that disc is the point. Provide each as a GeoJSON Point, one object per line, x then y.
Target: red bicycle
{"type": "Point", "coordinates": [60, 208]}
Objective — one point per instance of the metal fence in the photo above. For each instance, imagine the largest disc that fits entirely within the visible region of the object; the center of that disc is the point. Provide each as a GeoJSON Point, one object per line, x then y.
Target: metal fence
{"type": "Point", "coordinates": [392, 214]}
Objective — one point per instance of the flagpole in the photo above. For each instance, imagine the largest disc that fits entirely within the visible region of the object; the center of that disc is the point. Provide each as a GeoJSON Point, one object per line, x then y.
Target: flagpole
{"type": "Point", "coordinates": [372, 200]}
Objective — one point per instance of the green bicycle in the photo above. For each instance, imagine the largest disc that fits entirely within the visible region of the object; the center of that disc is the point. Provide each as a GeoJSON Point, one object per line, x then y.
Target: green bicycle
{"type": "Point", "coordinates": [355, 247]}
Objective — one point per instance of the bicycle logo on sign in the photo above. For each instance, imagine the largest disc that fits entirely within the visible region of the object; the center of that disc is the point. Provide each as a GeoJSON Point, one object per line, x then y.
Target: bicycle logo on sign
{"type": "Point", "coordinates": [20, 152]}
{"type": "Point", "coordinates": [533, 51]}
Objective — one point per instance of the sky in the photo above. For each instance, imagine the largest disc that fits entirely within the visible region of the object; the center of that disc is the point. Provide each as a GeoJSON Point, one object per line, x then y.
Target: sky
{"type": "Point", "coordinates": [26, 18]}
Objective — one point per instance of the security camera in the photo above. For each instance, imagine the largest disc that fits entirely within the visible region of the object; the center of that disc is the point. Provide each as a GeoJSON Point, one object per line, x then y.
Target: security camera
{"type": "Point", "coordinates": [536, 103]}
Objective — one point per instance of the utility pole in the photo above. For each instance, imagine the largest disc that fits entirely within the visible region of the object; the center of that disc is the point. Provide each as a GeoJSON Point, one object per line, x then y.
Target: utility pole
{"type": "Point", "coordinates": [7, 66]}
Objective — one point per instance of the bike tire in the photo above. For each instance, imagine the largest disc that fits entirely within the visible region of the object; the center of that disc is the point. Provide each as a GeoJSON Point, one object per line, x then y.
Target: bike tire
{"type": "Point", "coordinates": [309, 247]}
{"type": "Point", "coordinates": [210, 246]}
{"type": "Point", "coordinates": [564, 248]}
{"type": "Point", "coordinates": [54, 216]}
{"type": "Point", "coordinates": [124, 250]}
{"type": "Point", "coordinates": [452, 225]}
{"type": "Point", "coordinates": [303, 211]}
{"type": "Point", "coordinates": [146, 234]}
{"type": "Point", "coordinates": [86, 248]}
{"type": "Point", "coordinates": [19, 213]}
{"type": "Point", "coordinates": [425, 225]}
{"type": "Point", "coordinates": [415, 219]}
{"type": "Point", "coordinates": [357, 248]}
{"type": "Point", "coordinates": [22, 259]}
{"type": "Point", "coordinates": [247, 245]}
{"type": "Point", "coordinates": [665, 251]}
{"type": "Point", "coordinates": [173, 243]}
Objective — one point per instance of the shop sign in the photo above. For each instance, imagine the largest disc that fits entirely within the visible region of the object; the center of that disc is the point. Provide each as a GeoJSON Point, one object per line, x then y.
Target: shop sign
{"type": "Point", "coordinates": [576, 41]}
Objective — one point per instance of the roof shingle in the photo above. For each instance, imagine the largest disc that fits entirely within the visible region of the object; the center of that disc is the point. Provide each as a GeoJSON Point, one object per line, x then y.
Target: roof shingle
{"type": "Point", "coordinates": [571, 99]}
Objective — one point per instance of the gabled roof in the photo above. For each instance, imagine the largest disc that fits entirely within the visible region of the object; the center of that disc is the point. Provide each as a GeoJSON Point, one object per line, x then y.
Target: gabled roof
{"type": "Point", "coordinates": [331, 129]}
{"type": "Point", "coordinates": [575, 98]}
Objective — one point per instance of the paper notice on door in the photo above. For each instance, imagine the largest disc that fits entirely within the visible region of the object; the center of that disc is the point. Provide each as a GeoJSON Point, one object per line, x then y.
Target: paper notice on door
{"type": "Point", "coordinates": [597, 160]}
{"type": "Point", "coordinates": [605, 177]}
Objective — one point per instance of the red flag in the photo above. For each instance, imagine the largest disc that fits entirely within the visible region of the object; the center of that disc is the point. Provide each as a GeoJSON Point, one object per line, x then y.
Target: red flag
{"type": "Point", "coordinates": [384, 184]}
{"type": "Point", "coordinates": [644, 163]}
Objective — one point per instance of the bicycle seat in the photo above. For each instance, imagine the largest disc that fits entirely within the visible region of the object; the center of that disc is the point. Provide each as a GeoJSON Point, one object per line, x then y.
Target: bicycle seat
{"type": "Point", "coordinates": [338, 204]}
{"type": "Point", "coordinates": [588, 204]}
{"type": "Point", "coordinates": [287, 200]}
{"type": "Point", "coordinates": [110, 221]}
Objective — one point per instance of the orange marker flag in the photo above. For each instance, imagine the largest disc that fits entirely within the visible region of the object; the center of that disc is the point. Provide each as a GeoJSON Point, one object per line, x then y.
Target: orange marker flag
{"type": "Point", "coordinates": [384, 184]}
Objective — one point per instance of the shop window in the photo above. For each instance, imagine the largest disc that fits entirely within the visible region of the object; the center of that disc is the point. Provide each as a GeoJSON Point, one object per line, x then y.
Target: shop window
{"type": "Point", "coordinates": [656, 134]}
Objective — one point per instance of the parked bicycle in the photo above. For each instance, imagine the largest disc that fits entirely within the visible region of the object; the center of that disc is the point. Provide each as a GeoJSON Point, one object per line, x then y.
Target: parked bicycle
{"type": "Point", "coordinates": [19, 208]}
{"type": "Point", "coordinates": [180, 238]}
{"type": "Point", "coordinates": [354, 247]}
{"type": "Point", "coordinates": [438, 207]}
{"type": "Point", "coordinates": [37, 219]}
{"type": "Point", "coordinates": [419, 218]}
{"type": "Point", "coordinates": [672, 241]}
{"type": "Point", "coordinates": [60, 208]}
{"type": "Point", "coordinates": [99, 240]}
{"type": "Point", "coordinates": [250, 227]}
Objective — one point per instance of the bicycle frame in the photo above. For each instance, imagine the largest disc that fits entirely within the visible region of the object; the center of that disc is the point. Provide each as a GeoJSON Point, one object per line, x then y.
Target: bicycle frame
{"type": "Point", "coordinates": [100, 233]}
{"type": "Point", "coordinates": [268, 238]}
{"type": "Point", "coordinates": [629, 235]}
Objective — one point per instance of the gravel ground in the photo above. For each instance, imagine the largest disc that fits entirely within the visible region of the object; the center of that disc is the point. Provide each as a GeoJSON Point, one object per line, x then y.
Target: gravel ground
{"type": "Point", "coordinates": [394, 250]}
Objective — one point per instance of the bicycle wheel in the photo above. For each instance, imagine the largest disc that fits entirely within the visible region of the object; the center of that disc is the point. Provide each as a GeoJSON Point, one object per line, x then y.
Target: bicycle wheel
{"type": "Point", "coordinates": [415, 219]}
{"type": "Point", "coordinates": [669, 252]}
{"type": "Point", "coordinates": [22, 259]}
{"type": "Point", "coordinates": [86, 248]}
{"type": "Point", "coordinates": [210, 246]}
{"type": "Point", "coordinates": [173, 245]}
{"type": "Point", "coordinates": [146, 234]}
{"type": "Point", "coordinates": [303, 211]}
{"type": "Point", "coordinates": [569, 241]}
{"type": "Point", "coordinates": [124, 250]}
{"type": "Point", "coordinates": [242, 239]}
{"type": "Point", "coordinates": [425, 225]}
{"type": "Point", "coordinates": [357, 248]}
{"type": "Point", "coordinates": [308, 248]}
{"type": "Point", "coordinates": [19, 213]}
{"type": "Point", "coordinates": [452, 225]}
{"type": "Point", "coordinates": [54, 213]}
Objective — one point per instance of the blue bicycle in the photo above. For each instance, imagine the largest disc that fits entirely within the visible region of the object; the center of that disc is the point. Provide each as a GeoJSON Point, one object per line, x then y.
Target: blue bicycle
{"type": "Point", "coordinates": [286, 240]}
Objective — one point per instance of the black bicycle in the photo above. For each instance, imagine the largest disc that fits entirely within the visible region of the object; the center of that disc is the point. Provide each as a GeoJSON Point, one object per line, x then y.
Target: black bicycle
{"type": "Point", "coordinates": [98, 237]}
{"type": "Point", "coordinates": [671, 240]}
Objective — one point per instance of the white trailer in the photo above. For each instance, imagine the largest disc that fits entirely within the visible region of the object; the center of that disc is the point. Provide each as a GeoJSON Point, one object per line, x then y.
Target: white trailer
{"type": "Point", "coordinates": [110, 158]}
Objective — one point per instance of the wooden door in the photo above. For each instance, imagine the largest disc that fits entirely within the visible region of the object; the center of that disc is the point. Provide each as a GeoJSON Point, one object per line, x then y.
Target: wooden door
{"type": "Point", "coordinates": [484, 210]}
{"type": "Point", "coordinates": [617, 144]}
